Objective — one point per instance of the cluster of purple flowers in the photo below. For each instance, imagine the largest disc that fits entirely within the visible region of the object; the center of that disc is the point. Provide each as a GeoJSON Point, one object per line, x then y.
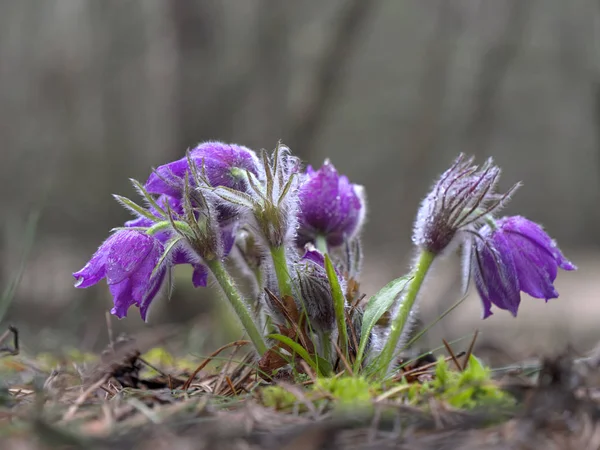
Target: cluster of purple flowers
{"type": "Point", "coordinates": [225, 189]}
{"type": "Point", "coordinates": [284, 220]}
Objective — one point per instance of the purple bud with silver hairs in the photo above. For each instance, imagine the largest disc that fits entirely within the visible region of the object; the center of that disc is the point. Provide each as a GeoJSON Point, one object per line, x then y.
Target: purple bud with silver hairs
{"type": "Point", "coordinates": [460, 199]}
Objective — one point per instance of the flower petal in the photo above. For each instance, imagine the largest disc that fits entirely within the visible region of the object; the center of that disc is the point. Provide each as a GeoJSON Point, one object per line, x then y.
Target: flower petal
{"type": "Point", "coordinates": [534, 232]}
{"type": "Point", "coordinates": [128, 253]}
{"type": "Point", "coordinates": [155, 285]}
{"type": "Point", "coordinates": [122, 298]}
{"type": "Point", "coordinates": [186, 256]}
{"type": "Point", "coordinates": [224, 164]}
{"type": "Point", "coordinates": [168, 178]}
{"type": "Point", "coordinates": [95, 269]}
{"type": "Point", "coordinates": [200, 276]}
{"type": "Point", "coordinates": [536, 267]}
{"type": "Point", "coordinates": [496, 276]}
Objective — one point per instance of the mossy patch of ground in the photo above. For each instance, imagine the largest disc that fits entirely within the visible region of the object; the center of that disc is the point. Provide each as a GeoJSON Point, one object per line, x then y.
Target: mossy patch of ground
{"type": "Point", "coordinates": [156, 398]}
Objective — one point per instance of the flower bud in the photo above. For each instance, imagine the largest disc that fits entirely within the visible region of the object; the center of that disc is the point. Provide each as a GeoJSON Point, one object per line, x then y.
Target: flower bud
{"type": "Point", "coordinates": [269, 206]}
{"type": "Point", "coordinates": [315, 291]}
{"type": "Point", "coordinates": [330, 207]}
{"type": "Point", "coordinates": [460, 199]}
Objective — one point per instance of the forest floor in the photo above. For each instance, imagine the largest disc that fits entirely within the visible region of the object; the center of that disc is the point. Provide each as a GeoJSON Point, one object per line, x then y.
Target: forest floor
{"type": "Point", "coordinates": [130, 397]}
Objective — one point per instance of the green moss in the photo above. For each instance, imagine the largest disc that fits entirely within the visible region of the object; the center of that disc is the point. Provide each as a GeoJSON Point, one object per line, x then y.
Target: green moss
{"type": "Point", "coordinates": [277, 397]}
{"type": "Point", "coordinates": [163, 359]}
{"type": "Point", "coordinates": [342, 392]}
{"type": "Point", "coordinates": [467, 389]}
{"type": "Point", "coordinates": [471, 388]}
{"type": "Point", "coordinates": [348, 390]}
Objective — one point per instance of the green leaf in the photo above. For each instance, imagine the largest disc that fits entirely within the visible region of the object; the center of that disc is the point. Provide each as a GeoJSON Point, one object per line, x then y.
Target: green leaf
{"type": "Point", "coordinates": [376, 307]}
{"type": "Point", "coordinates": [183, 228]}
{"type": "Point", "coordinates": [135, 208]}
{"type": "Point", "coordinates": [268, 173]}
{"type": "Point", "coordinates": [442, 374]}
{"type": "Point", "coordinates": [255, 185]}
{"type": "Point", "coordinates": [142, 191]}
{"type": "Point", "coordinates": [475, 370]}
{"type": "Point", "coordinates": [324, 366]}
{"type": "Point", "coordinates": [233, 196]}
{"type": "Point", "coordinates": [286, 189]}
{"type": "Point", "coordinates": [301, 351]}
{"type": "Point", "coordinates": [115, 229]}
{"type": "Point", "coordinates": [339, 303]}
{"type": "Point", "coordinates": [156, 228]}
{"type": "Point", "coordinates": [164, 256]}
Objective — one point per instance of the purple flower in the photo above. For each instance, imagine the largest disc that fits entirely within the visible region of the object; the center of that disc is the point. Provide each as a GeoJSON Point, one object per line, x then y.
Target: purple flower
{"type": "Point", "coordinates": [330, 207]}
{"type": "Point", "coordinates": [459, 200]}
{"type": "Point", "coordinates": [126, 259]}
{"type": "Point", "coordinates": [225, 165]}
{"type": "Point", "coordinates": [515, 254]}
{"type": "Point", "coordinates": [182, 254]}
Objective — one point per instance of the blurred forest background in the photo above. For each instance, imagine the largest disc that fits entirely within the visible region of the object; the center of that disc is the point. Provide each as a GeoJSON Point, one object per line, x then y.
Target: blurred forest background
{"type": "Point", "coordinates": [95, 92]}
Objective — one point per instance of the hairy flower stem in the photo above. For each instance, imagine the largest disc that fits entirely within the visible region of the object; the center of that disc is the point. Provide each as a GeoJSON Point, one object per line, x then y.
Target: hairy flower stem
{"type": "Point", "coordinates": [321, 244]}
{"type": "Point", "coordinates": [408, 302]}
{"type": "Point", "coordinates": [325, 345]}
{"type": "Point", "coordinates": [238, 304]}
{"type": "Point", "coordinates": [284, 280]}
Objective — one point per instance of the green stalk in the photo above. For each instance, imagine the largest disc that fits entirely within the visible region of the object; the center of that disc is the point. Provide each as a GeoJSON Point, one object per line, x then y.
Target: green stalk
{"type": "Point", "coordinates": [284, 280]}
{"type": "Point", "coordinates": [408, 302]}
{"type": "Point", "coordinates": [321, 244]}
{"type": "Point", "coordinates": [239, 306]}
{"type": "Point", "coordinates": [326, 345]}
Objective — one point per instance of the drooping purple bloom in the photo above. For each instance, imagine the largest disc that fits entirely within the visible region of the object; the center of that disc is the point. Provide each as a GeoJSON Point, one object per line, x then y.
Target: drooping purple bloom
{"type": "Point", "coordinates": [515, 255]}
{"type": "Point", "coordinates": [330, 207]}
{"type": "Point", "coordinates": [460, 199]}
{"type": "Point", "coordinates": [225, 165]}
{"type": "Point", "coordinates": [182, 254]}
{"type": "Point", "coordinates": [127, 260]}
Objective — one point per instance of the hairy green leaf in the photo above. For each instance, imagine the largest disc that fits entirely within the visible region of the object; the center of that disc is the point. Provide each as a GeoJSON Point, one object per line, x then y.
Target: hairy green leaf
{"type": "Point", "coordinates": [135, 208]}
{"type": "Point", "coordinates": [339, 303]}
{"type": "Point", "coordinates": [376, 307]}
{"type": "Point", "coordinates": [301, 351]}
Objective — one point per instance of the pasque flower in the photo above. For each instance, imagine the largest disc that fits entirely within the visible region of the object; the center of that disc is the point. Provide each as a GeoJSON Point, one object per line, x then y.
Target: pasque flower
{"type": "Point", "coordinates": [224, 165]}
{"type": "Point", "coordinates": [456, 205]}
{"type": "Point", "coordinates": [460, 199]}
{"type": "Point", "coordinates": [183, 254]}
{"type": "Point", "coordinates": [330, 207]}
{"type": "Point", "coordinates": [127, 259]}
{"type": "Point", "coordinates": [189, 226]}
{"type": "Point", "coordinates": [514, 254]}
{"type": "Point", "coordinates": [270, 204]}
